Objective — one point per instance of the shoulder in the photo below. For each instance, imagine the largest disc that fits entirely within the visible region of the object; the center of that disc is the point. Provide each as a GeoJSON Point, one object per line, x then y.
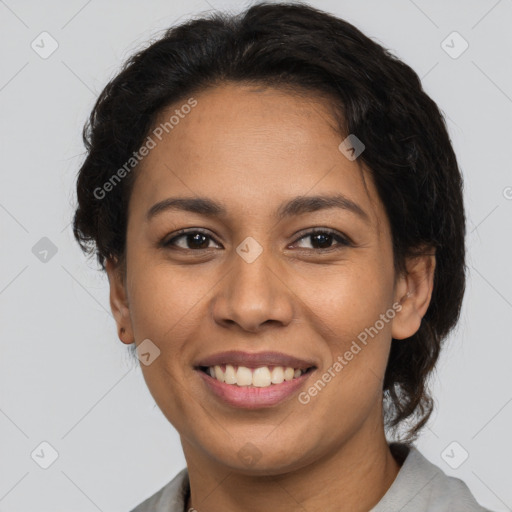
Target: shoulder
{"type": "Point", "coordinates": [421, 486]}
{"type": "Point", "coordinates": [170, 498]}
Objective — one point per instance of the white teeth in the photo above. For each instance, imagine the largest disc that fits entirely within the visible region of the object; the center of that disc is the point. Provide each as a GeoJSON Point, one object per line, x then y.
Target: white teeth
{"type": "Point", "coordinates": [243, 376]}
{"type": "Point", "coordinates": [277, 375]}
{"type": "Point", "coordinates": [219, 374]}
{"type": "Point", "coordinates": [260, 377]}
{"type": "Point", "coordinates": [288, 373]}
{"type": "Point", "coordinates": [230, 375]}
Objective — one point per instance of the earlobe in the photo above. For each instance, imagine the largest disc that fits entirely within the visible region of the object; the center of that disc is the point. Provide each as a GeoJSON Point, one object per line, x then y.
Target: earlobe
{"type": "Point", "coordinates": [119, 301]}
{"type": "Point", "coordinates": [414, 292]}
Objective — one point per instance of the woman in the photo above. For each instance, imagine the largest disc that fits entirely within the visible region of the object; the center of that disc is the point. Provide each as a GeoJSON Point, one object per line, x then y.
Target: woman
{"type": "Point", "coordinates": [279, 210]}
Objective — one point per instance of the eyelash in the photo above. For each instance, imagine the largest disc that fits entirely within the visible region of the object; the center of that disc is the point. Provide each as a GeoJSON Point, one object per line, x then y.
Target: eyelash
{"type": "Point", "coordinates": [343, 241]}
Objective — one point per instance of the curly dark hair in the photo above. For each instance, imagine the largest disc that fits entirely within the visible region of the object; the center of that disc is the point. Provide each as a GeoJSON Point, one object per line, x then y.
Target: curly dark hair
{"type": "Point", "coordinates": [375, 95]}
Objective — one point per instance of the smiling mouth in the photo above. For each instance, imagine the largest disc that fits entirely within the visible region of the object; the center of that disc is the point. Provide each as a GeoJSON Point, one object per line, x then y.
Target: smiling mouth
{"type": "Point", "coordinates": [259, 377]}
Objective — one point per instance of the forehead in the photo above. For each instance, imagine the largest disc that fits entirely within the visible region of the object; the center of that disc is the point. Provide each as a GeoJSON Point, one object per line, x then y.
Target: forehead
{"type": "Point", "coordinates": [251, 148]}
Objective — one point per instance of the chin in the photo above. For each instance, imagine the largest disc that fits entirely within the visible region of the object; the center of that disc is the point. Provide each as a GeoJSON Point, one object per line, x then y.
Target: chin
{"type": "Point", "coordinates": [255, 459]}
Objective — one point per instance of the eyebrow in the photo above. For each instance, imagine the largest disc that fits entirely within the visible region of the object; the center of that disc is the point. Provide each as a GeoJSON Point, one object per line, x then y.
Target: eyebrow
{"type": "Point", "coordinates": [297, 206]}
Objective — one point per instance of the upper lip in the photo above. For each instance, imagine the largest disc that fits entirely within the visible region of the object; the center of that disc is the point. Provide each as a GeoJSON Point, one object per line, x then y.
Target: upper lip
{"type": "Point", "coordinates": [255, 359]}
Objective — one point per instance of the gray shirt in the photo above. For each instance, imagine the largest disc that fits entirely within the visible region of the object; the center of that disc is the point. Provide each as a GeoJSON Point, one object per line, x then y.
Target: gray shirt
{"type": "Point", "coordinates": [420, 486]}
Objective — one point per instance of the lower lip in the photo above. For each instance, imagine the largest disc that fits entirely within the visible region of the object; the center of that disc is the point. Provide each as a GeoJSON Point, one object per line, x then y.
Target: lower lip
{"type": "Point", "coordinates": [249, 397]}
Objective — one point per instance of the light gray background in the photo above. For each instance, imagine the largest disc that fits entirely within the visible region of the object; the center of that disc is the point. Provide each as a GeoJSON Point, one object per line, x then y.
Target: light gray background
{"type": "Point", "coordinates": [66, 378]}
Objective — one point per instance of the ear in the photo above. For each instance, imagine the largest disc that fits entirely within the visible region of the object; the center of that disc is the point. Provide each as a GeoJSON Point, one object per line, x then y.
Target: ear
{"type": "Point", "coordinates": [413, 292]}
{"type": "Point", "coordinates": [119, 301]}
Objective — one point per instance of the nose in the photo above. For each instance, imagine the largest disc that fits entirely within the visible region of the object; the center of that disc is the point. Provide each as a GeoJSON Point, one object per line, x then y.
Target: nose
{"type": "Point", "coordinates": [253, 296]}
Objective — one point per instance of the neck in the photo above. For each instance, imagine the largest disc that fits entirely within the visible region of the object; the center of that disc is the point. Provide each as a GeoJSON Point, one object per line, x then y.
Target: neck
{"type": "Point", "coordinates": [354, 478]}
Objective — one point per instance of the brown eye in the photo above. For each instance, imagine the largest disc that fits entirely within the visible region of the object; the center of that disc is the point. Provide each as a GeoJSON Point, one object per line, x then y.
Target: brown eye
{"type": "Point", "coordinates": [323, 239]}
{"type": "Point", "coordinates": [190, 240]}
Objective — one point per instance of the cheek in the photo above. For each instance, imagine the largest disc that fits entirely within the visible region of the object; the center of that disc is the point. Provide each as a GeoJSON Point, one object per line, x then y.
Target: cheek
{"type": "Point", "coordinates": [353, 316]}
{"type": "Point", "coordinates": [167, 310]}
{"type": "Point", "coordinates": [351, 300]}
{"type": "Point", "coordinates": [164, 302]}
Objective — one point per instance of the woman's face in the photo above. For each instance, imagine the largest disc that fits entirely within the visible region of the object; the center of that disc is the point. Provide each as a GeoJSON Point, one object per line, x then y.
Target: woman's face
{"type": "Point", "coordinates": [255, 279]}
